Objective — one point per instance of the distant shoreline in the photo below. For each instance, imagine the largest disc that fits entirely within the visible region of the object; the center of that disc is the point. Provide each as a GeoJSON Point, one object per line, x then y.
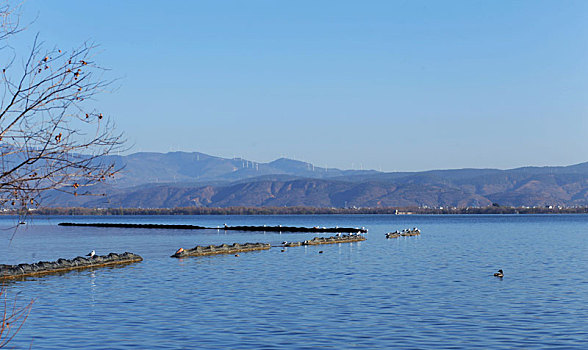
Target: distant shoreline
{"type": "Point", "coordinates": [300, 211]}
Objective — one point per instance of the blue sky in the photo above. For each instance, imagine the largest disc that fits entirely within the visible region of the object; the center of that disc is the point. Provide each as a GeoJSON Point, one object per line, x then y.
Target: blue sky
{"type": "Point", "coordinates": [390, 85]}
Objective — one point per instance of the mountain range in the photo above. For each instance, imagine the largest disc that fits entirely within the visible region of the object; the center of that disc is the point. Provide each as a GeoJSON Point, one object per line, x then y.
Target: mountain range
{"type": "Point", "coordinates": [182, 179]}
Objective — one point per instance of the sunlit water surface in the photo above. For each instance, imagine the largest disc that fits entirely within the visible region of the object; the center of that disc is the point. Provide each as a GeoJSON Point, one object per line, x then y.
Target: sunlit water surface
{"type": "Point", "coordinates": [431, 291]}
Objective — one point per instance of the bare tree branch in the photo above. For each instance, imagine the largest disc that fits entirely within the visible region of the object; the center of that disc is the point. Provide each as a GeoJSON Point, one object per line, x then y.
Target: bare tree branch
{"type": "Point", "coordinates": [51, 135]}
{"type": "Point", "coordinates": [12, 317]}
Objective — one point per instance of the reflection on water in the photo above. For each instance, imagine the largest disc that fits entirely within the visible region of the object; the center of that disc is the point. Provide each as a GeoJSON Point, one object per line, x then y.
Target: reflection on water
{"type": "Point", "coordinates": [93, 287]}
{"type": "Point", "coordinates": [436, 290]}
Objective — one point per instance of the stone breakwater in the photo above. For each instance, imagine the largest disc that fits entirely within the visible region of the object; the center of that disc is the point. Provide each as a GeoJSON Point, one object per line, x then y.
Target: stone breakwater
{"type": "Point", "coordinates": [61, 265]}
{"type": "Point", "coordinates": [220, 249]}
{"type": "Point", "coordinates": [327, 240]}
{"type": "Point", "coordinates": [404, 233]}
{"type": "Point", "coordinates": [278, 228]}
{"type": "Point", "coordinates": [115, 225]}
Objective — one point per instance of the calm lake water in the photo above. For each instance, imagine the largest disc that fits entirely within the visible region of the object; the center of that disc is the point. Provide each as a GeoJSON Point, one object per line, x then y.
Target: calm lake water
{"type": "Point", "coordinates": [434, 291]}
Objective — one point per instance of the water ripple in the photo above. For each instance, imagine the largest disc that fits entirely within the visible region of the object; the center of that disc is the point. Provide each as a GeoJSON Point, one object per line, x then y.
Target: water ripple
{"type": "Point", "coordinates": [435, 291]}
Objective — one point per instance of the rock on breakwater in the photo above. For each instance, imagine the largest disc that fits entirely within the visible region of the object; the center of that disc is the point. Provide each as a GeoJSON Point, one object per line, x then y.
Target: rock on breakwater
{"type": "Point", "coordinates": [220, 249]}
{"type": "Point", "coordinates": [47, 267]}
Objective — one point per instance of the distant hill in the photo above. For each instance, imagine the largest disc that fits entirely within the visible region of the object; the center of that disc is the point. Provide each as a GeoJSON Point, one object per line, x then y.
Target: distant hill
{"type": "Point", "coordinates": [174, 167]}
{"type": "Point", "coordinates": [179, 179]}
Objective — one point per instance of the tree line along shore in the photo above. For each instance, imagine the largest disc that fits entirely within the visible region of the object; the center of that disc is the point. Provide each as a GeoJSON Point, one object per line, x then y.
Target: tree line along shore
{"type": "Point", "coordinates": [300, 211]}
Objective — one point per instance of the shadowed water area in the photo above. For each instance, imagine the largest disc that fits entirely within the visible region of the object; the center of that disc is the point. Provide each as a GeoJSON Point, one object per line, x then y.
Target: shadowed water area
{"type": "Point", "coordinates": [430, 291]}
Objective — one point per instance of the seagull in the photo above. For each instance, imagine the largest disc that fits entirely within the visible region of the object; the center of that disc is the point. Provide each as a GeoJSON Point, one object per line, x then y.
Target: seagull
{"type": "Point", "coordinates": [91, 254]}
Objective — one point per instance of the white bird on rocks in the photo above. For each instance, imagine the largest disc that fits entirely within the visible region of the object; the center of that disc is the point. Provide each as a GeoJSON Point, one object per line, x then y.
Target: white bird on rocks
{"type": "Point", "coordinates": [91, 254]}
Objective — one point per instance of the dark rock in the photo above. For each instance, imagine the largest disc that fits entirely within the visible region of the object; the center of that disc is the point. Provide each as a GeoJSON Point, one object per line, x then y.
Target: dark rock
{"type": "Point", "coordinates": [25, 267]}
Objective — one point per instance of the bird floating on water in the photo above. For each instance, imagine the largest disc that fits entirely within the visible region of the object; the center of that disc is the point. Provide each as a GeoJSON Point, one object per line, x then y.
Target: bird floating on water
{"type": "Point", "coordinates": [91, 254]}
{"type": "Point", "coordinates": [499, 274]}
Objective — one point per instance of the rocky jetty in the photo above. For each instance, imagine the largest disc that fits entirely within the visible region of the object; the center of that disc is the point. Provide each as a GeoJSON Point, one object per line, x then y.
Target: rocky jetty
{"type": "Point", "coordinates": [160, 226]}
{"type": "Point", "coordinates": [61, 265]}
{"type": "Point", "coordinates": [281, 228]}
{"type": "Point", "coordinates": [263, 228]}
{"type": "Point", "coordinates": [220, 249]}
{"type": "Point", "coordinates": [404, 233]}
{"type": "Point", "coordinates": [327, 240]}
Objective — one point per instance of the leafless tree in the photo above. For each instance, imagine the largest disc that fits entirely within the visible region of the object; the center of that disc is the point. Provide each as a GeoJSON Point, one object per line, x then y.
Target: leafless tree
{"type": "Point", "coordinates": [12, 318]}
{"type": "Point", "coordinates": [52, 136]}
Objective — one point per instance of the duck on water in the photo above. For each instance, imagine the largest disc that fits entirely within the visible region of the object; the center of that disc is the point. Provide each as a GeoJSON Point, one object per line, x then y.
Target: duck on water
{"type": "Point", "coordinates": [499, 274]}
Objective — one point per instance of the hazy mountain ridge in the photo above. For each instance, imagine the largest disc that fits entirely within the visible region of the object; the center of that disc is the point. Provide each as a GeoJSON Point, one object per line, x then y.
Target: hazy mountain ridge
{"type": "Point", "coordinates": [178, 179]}
{"type": "Point", "coordinates": [150, 167]}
